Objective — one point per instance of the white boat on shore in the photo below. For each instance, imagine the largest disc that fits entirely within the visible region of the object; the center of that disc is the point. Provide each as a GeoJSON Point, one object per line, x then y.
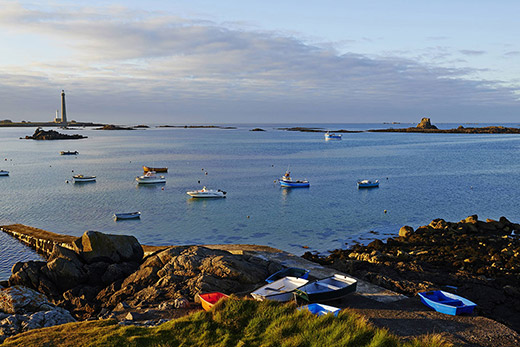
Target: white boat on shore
{"type": "Point", "coordinates": [280, 290]}
{"type": "Point", "coordinates": [150, 178]}
{"type": "Point", "coordinates": [83, 178]}
{"type": "Point", "coordinates": [207, 193]}
{"type": "Point", "coordinates": [4, 173]}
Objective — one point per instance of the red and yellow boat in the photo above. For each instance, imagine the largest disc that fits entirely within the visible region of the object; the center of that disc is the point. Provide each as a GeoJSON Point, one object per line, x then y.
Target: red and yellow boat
{"type": "Point", "coordinates": [156, 169]}
{"type": "Point", "coordinates": [208, 300]}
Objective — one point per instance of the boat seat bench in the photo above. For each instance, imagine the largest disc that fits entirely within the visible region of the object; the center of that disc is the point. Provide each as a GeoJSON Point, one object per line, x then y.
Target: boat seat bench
{"type": "Point", "coordinates": [329, 286]}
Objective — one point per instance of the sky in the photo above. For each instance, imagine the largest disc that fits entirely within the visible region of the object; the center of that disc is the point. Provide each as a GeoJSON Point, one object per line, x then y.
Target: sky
{"type": "Point", "coordinates": [230, 61]}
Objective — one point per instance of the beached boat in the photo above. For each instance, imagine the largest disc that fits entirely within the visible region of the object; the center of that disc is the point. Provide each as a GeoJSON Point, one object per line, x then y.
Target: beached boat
{"type": "Point", "coordinates": [332, 136]}
{"type": "Point", "coordinates": [69, 152]}
{"type": "Point", "coordinates": [156, 169]}
{"type": "Point", "coordinates": [4, 173]}
{"type": "Point", "coordinates": [208, 300]}
{"type": "Point", "coordinates": [320, 309]}
{"type": "Point", "coordinates": [207, 193]}
{"type": "Point", "coordinates": [287, 181]}
{"type": "Point", "coordinates": [280, 290]}
{"type": "Point", "coordinates": [329, 288]}
{"type": "Point", "coordinates": [447, 303]}
{"type": "Point", "coordinates": [290, 271]}
{"type": "Point", "coordinates": [368, 184]}
{"type": "Point", "coordinates": [83, 178]}
{"type": "Point", "coordinates": [129, 215]}
{"type": "Point", "coordinates": [150, 178]}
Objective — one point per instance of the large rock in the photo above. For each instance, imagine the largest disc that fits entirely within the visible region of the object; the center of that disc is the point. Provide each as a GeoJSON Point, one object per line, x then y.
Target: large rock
{"type": "Point", "coordinates": [426, 124]}
{"type": "Point", "coordinates": [94, 246]}
{"type": "Point", "coordinates": [405, 231]}
{"type": "Point", "coordinates": [65, 273]}
{"type": "Point", "coordinates": [20, 299]}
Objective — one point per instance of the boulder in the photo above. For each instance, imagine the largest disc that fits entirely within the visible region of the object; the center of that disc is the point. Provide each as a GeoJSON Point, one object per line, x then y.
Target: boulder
{"type": "Point", "coordinates": [94, 246]}
{"type": "Point", "coordinates": [426, 124]}
{"type": "Point", "coordinates": [19, 299]}
{"type": "Point", "coordinates": [405, 231]}
{"type": "Point", "coordinates": [65, 274]}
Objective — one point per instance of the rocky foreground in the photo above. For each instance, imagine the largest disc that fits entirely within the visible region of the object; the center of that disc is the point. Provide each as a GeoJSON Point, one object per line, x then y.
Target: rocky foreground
{"type": "Point", "coordinates": [106, 276]}
{"type": "Point", "coordinates": [476, 259]}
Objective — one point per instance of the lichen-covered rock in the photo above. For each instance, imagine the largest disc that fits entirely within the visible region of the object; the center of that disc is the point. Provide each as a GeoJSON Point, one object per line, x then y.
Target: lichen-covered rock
{"type": "Point", "coordinates": [94, 246]}
{"type": "Point", "coordinates": [426, 124]}
{"type": "Point", "coordinates": [405, 231]}
{"type": "Point", "coordinates": [20, 299]}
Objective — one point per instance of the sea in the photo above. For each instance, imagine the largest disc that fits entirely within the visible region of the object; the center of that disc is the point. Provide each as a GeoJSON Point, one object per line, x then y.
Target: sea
{"type": "Point", "coordinates": [422, 177]}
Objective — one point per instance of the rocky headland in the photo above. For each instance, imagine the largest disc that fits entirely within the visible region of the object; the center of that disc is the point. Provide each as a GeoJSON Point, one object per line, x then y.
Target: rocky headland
{"type": "Point", "coordinates": [425, 126]}
{"type": "Point", "coordinates": [40, 134]}
{"type": "Point", "coordinates": [479, 260]}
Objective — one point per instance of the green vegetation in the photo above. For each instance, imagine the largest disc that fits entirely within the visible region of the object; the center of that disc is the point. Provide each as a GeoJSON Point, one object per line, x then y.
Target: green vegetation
{"type": "Point", "coordinates": [232, 322]}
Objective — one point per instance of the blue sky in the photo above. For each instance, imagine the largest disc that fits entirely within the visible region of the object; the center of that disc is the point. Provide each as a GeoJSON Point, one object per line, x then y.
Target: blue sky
{"type": "Point", "coordinates": [260, 61]}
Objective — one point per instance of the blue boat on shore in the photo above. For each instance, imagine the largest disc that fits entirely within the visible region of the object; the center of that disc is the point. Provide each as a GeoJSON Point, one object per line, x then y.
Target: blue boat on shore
{"type": "Point", "coordinates": [288, 182]}
{"type": "Point", "coordinates": [320, 309]}
{"type": "Point", "coordinates": [290, 271]}
{"type": "Point", "coordinates": [447, 303]}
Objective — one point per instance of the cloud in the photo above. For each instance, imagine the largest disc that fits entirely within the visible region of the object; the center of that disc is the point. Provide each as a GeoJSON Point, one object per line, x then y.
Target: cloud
{"type": "Point", "coordinates": [127, 63]}
{"type": "Point", "coordinates": [472, 52]}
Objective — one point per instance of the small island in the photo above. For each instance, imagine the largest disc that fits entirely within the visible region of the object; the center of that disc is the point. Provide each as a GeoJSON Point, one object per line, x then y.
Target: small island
{"type": "Point", "coordinates": [318, 130]}
{"type": "Point", "coordinates": [196, 126]}
{"type": "Point", "coordinates": [113, 127]}
{"type": "Point", "coordinates": [425, 126]}
{"type": "Point", "coordinates": [40, 134]}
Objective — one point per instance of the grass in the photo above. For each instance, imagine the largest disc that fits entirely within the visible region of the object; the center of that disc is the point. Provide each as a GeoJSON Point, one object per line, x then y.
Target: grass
{"type": "Point", "coordinates": [232, 322]}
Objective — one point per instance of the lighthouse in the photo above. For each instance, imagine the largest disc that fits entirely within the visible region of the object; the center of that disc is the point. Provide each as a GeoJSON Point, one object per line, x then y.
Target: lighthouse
{"type": "Point", "coordinates": [63, 110]}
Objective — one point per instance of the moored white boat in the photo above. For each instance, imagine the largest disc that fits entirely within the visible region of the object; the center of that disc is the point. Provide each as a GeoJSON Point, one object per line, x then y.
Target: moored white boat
{"type": "Point", "coordinates": [83, 178]}
{"type": "Point", "coordinates": [332, 136]}
{"type": "Point", "coordinates": [128, 215]}
{"type": "Point", "coordinates": [69, 152]}
{"type": "Point", "coordinates": [287, 181]}
{"type": "Point", "coordinates": [4, 173]}
{"type": "Point", "coordinates": [280, 290]}
{"type": "Point", "coordinates": [207, 193]}
{"type": "Point", "coordinates": [149, 178]}
{"type": "Point", "coordinates": [368, 184]}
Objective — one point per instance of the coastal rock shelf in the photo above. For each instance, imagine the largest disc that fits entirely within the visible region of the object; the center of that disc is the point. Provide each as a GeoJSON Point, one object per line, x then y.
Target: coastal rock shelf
{"type": "Point", "coordinates": [40, 134]}
{"type": "Point", "coordinates": [479, 260]}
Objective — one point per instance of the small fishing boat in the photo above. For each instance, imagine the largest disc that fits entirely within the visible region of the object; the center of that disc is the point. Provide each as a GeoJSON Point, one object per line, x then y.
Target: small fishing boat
{"type": "Point", "coordinates": [69, 153]}
{"type": "Point", "coordinates": [332, 136]}
{"type": "Point", "coordinates": [4, 173]}
{"type": "Point", "coordinates": [290, 271]}
{"type": "Point", "coordinates": [368, 184]}
{"type": "Point", "coordinates": [287, 181]}
{"type": "Point", "coordinates": [83, 178]}
{"type": "Point", "coordinates": [208, 300]}
{"type": "Point", "coordinates": [320, 309]}
{"type": "Point", "coordinates": [447, 303]}
{"type": "Point", "coordinates": [280, 290]}
{"type": "Point", "coordinates": [329, 288]}
{"type": "Point", "coordinates": [149, 178]}
{"type": "Point", "coordinates": [156, 169]}
{"type": "Point", "coordinates": [129, 215]}
{"type": "Point", "coordinates": [207, 193]}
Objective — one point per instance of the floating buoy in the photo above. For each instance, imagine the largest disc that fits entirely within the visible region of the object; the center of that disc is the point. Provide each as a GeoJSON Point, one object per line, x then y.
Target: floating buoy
{"type": "Point", "coordinates": [198, 181]}
{"type": "Point", "coordinates": [206, 173]}
{"type": "Point", "coordinates": [306, 247]}
{"type": "Point", "coordinates": [72, 170]}
{"type": "Point", "coordinates": [66, 181]}
{"type": "Point", "coordinates": [247, 216]}
{"type": "Point", "coordinates": [162, 188]}
{"type": "Point", "coordinates": [202, 169]}
{"type": "Point", "coordinates": [385, 211]}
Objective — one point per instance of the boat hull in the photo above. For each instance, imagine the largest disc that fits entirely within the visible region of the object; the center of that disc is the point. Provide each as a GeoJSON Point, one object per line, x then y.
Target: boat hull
{"type": "Point", "coordinates": [156, 169]}
{"type": "Point", "coordinates": [330, 288]}
{"type": "Point", "coordinates": [208, 300]}
{"type": "Point", "coordinates": [294, 184]}
{"type": "Point", "coordinates": [291, 271]}
{"type": "Point", "coordinates": [447, 303]}
{"type": "Point", "coordinates": [280, 290]}
{"type": "Point", "coordinates": [78, 179]}
{"type": "Point", "coordinates": [132, 215]}
{"type": "Point", "coordinates": [4, 173]}
{"type": "Point", "coordinates": [320, 309]}
{"type": "Point", "coordinates": [367, 184]}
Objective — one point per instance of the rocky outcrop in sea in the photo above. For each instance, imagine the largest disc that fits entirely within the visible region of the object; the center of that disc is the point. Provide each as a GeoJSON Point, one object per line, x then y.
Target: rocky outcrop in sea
{"type": "Point", "coordinates": [40, 134]}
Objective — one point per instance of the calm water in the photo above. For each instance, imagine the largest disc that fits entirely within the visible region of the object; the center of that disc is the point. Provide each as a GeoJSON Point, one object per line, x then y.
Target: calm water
{"type": "Point", "coordinates": [423, 176]}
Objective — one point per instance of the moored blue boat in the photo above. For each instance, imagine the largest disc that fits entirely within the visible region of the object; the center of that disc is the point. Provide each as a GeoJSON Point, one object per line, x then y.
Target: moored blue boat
{"type": "Point", "coordinates": [447, 303]}
{"type": "Point", "coordinates": [129, 215]}
{"type": "Point", "coordinates": [290, 271]}
{"type": "Point", "coordinates": [287, 181]}
{"type": "Point", "coordinates": [320, 309]}
{"type": "Point", "coordinates": [332, 136]}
